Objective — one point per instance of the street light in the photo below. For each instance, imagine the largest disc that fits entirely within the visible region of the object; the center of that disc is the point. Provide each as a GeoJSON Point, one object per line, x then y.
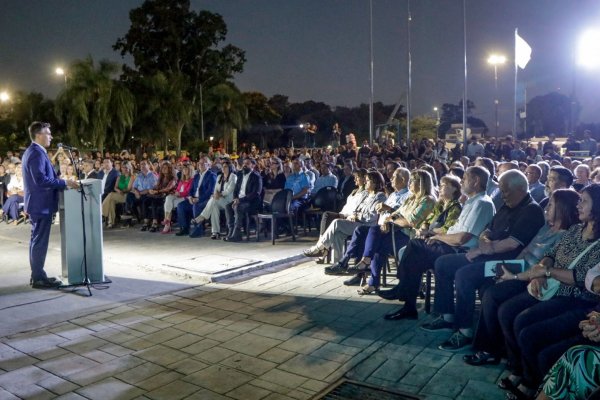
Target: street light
{"type": "Point", "coordinates": [61, 72]}
{"type": "Point", "coordinates": [496, 60]}
{"type": "Point", "coordinates": [437, 122]}
{"type": "Point", "coordinates": [588, 49]}
{"type": "Point", "coordinates": [4, 97]}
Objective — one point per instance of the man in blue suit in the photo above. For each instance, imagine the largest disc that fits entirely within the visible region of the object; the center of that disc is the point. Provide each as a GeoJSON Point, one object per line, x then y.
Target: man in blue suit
{"type": "Point", "coordinates": [202, 189]}
{"type": "Point", "coordinates": [41, 200]}
{"type": "Point", "coordinates": [109, 176]}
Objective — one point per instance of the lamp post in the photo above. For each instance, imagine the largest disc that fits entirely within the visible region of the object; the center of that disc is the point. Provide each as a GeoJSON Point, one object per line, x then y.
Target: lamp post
{"type": "Point", "coordinates": [437, 122]}
{"type": "Point", "coordinates": [587, 56]}
{"type": "Point", "coordinates": [61, 72]}
{"type": "Point", "coordinates": [496, 60]}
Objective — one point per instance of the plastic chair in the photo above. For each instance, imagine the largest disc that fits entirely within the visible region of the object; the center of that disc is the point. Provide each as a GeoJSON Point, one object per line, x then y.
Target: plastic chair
{"type": "Point", "coordinates": [280, 208]}
{"type": "Point", "coordinates": [324, 200]}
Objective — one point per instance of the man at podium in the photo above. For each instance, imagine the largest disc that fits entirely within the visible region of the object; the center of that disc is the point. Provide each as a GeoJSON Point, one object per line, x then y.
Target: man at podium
{"type": "Point", "coordinates": [41, 200]}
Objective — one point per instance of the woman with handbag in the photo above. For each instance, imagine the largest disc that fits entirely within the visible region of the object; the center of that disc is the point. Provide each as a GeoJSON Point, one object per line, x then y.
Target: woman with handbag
{"type": "Point", "coordinates": [488, 341]}
{"type": "Point", "coordinates": [534, 321]}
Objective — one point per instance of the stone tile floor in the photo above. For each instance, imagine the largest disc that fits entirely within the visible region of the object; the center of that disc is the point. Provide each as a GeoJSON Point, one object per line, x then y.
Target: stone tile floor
{"type": "Point", "coordinates": [282, 335]}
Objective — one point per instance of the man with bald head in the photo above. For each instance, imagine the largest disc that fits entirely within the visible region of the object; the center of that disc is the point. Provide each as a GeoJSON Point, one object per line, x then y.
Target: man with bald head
{"type": "Point", "coordinates": [511, 229]}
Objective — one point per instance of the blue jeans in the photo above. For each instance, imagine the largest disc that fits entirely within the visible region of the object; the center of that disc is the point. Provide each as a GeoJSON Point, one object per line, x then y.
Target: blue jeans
{"type": "Point", "coordinates": [455, 271]}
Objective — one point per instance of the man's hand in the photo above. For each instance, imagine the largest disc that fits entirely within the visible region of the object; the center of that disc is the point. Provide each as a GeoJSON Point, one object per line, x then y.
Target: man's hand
{"type": "Point", "coordinates": [473, 254]}
{"type": "Point", "coordinates": [382, 207]}
{"type": "Point", "coordinates": [72, 184]}
{"type": "Point", "coordinates": [235, 203]}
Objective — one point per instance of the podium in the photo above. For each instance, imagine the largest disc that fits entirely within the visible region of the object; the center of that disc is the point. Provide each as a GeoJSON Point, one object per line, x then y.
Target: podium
{"type": "Point", "coordinates": [71, 232]}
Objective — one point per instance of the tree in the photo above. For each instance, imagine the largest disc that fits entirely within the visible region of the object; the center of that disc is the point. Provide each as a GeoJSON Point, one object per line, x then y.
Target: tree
{"type": "Point", "coordinates": [423, 127]}
{"type": "Point", "coordinates": [260, 116]}
{"type": "Point", "coordinates": [185, 47]}
{"type": "Point", "coordinates": [93, 102]}
{"type": "Point", "coordinates": [227, 110]}
{"type": "Point", "coordinates": [453, 114]}
{"type": "Point", "coordinates": [548, 114]}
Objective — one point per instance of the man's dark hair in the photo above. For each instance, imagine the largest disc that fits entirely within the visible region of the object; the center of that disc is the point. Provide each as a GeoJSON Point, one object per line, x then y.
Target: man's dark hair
{"type": "Point", "coordinates": [564, 175]}
{"type": "Point", "coordinates": [481, 173]}
{"type": "Point", "coordinates": [252, 160]}
{"type": "Point", "coordinates": [36, 127]}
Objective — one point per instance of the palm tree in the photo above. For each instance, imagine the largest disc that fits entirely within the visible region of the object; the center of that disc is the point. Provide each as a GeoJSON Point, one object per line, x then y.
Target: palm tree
{"type": "Point", "coordinates": [94, 102]}
{"type": "Point", "coordinates": [163, 105]}
{"type": "Point", "coordinates": [227, 109]}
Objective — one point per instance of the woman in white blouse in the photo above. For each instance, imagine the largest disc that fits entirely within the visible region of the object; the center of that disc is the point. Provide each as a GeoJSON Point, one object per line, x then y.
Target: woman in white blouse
{"type": "Point", "coordinates": [222, 195]}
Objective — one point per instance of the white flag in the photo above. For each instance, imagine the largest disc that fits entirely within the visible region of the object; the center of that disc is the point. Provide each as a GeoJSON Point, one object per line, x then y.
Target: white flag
{"type": "Point", "coordinates": [522, 51]}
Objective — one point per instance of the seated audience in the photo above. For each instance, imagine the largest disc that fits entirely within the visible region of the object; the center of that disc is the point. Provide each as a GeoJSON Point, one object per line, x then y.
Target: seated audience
{"type": "Point", "coordinates": [14, 193]}
{"type": "Point", "coordinates": [123, 186]}
{"type": "Point", "coordinates": [144, 181]}
{"type": "Point", "coordinates": [222, 196]}
{"type": "Point", "coordinates": [340, 229]}
{"type": "Point", "coordinates": [582, 177]}
{"type": "Point", "coordinates": [246, 200]}
{"type": "Point", "coordinates": [155, 200]}
{"type": "Point", "coordinates": [534, 329]}
{"type": "Point", "coordinates": [406, 220]}
{"type": "Point", "coordinates": [201, 191]}
{"type": "Point", "coordinates": [421, 253]}
{"type": "Point", "coordinates": [181, 192]}
{"type": "Point", "coordinates": [326, 179]}
{"type": "Point", "coordinates": [561, 213]}
{"type": "Point", "coordinates": [558, 178]}
{"type": "Point", "coordinates": [355, 249]}
{"type": "Point", "coordinates": [511, 229]}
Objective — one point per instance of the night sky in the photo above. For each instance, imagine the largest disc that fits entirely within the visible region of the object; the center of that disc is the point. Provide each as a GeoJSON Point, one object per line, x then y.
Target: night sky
{"type": "Point", "coordinates": [319, 49]}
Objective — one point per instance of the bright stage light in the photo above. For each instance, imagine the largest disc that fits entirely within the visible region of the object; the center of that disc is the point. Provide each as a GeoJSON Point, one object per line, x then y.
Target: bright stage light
{"type": "Point", "coordinates": [4, 97]}
{"type": "Point", "coordinates": [588, 49]}
{"type": "Point", "coordinates": [496, 59]}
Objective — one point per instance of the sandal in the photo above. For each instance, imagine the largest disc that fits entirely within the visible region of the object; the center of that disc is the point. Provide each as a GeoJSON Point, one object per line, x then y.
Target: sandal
{"type": "Point", "coordinates": [366, 290]}
{"type": "Point", "coordinates": [360, 266]}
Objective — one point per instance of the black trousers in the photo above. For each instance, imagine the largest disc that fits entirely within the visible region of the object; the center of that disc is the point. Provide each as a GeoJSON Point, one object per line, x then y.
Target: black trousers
{"type": "Point", "coordinates": [488, 335]}
{"type": "Point", "coordinates": [534, 329]}
{"type": "Point", "coordinates": [418, 257]}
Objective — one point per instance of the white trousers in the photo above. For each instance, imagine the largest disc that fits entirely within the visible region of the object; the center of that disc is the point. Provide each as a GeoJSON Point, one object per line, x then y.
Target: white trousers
{"type": "Point", "coordinates": [335, 236]}
{"type": "Point", "coordinates": [171, 202]}
{"type": "Point", "coordinates": [212, 211]}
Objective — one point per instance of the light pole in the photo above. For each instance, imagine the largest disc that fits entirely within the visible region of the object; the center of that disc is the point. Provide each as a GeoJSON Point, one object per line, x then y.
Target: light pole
{"type": "Point", "coordinates": [496, 60]}
{"type": "Point", "coordinates": [437, 122]}
{"type": "Point", "coordinates": [588, 57]}
{"type": "Point", "coordinates": [61, 72]}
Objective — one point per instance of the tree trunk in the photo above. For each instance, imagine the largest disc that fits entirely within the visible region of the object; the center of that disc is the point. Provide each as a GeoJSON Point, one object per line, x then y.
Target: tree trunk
{"type": "Point", "coordinates": [179, 131]}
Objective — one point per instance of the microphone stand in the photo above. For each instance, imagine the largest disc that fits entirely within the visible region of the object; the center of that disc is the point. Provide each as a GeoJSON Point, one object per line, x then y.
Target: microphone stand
{"type": "Point", "coordinates": [86, 280]}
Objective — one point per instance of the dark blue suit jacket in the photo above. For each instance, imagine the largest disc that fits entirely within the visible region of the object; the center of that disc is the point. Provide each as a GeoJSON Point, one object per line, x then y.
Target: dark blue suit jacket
{"type": "Point", "coordinates": [207, 187]}
{"type": "Point", "coordinates": [41, 183]}
{"type": "Point", "coordinates": [111, 179]}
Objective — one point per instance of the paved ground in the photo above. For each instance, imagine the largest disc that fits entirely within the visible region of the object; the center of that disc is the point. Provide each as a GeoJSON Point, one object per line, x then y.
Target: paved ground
{"type": "Point", "coordinates": [284, 334]}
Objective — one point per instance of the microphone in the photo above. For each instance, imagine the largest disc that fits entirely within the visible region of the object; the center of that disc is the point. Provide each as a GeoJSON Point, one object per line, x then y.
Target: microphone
{"type": "Point", "coordinates": [64, 146]}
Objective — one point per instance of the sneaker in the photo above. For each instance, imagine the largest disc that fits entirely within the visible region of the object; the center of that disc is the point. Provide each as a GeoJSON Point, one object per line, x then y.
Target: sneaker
{"type": "Point", "coordinates": [456, 342]}
{"type": "Point", "coordinates": [438, 325]}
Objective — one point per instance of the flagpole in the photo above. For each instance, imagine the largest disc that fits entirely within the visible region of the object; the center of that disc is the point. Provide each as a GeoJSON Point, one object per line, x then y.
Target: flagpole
{"type": "Point", "coordinates": [465, 101]}
{"type": "Point", "coordinates": [409, 93]}
{"type": "Point", "coordinates": [371, 71]}
{"type": "Point", "coordinates": [516, 73]}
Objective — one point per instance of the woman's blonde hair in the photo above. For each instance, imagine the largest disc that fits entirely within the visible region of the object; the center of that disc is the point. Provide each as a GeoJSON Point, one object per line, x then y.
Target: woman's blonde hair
{"type": "Point", "coordinates": [425, 182]}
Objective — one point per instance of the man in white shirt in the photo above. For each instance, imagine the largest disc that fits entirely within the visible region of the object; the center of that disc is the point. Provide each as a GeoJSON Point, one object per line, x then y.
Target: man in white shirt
{"type": "Point", "coordinates": [420, 254]}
